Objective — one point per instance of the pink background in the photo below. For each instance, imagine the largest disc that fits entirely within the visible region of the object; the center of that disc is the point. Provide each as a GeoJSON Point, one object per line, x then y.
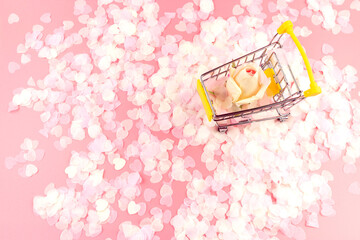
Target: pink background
{"type": "Point", "coordinates": [17, 220]}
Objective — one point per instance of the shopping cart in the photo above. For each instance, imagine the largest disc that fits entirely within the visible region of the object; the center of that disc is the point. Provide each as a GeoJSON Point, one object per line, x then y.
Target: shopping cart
{"type": "Point", "coordinates": [284, 90]}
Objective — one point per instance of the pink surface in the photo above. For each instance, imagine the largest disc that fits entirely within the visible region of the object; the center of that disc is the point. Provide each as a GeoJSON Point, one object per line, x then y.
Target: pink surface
{"type": "Point", "coordinates": [17, 220]}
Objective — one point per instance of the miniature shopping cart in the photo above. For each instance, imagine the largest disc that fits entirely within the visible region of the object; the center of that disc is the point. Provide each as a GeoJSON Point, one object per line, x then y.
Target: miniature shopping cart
{"type": "Point", "coordinates": [283, 89]}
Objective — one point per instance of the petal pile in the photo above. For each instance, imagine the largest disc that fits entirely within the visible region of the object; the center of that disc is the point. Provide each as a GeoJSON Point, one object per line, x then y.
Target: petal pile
{"type": "Point", "coordinates": [252, 182]}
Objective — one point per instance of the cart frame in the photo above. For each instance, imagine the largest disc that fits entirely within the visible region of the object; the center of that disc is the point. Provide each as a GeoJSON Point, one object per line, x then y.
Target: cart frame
{"type": "Point", "coordinates": [283, 100]}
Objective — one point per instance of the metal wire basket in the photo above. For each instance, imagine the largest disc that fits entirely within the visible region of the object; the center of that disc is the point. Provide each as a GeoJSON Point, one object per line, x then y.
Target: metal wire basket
{"type": "Point", "coordinates": [284, 88]}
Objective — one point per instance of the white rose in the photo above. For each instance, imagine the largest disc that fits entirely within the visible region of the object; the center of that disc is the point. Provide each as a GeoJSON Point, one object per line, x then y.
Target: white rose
{"type": "Point", "coordinates": [246, 83]}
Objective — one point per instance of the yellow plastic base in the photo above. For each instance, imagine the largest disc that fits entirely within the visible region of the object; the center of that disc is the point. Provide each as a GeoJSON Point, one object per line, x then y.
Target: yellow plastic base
{"type": "Point", "coordinates": [313, 90]}
{"type": "Point", "coordinates": [274, 87]}
{"type": "Point", "coordinates": [204, 100]}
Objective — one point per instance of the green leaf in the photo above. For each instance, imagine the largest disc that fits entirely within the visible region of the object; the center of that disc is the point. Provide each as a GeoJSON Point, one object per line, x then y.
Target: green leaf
{"type": "Point", "coordinates": [213, 93]}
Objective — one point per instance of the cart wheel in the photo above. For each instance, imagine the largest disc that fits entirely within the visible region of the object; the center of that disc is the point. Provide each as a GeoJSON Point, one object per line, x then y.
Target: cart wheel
{"type": "Point", "coordinates": [222, 129]}
{"type": "Point", "coordinates": [282, 119]}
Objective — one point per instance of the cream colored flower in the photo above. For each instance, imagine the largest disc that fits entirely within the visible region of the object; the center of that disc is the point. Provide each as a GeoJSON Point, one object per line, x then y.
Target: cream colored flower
{"type": "Point", "coordinates": [246, 84]}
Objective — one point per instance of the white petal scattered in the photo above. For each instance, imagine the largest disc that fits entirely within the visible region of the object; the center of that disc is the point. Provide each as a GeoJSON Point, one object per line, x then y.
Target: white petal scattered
{"type": "Point", "coordinates": [30, 170]}
{"type": "Point", "coordinates": [355, 5]}
{"type": "Point", "coordinates": [354, 188]}
{"type": "Point", "coordinates": [45, 18]}
{"type": "Point", "coordinates": [119, 163]}
{"type": "Point", "coordinates": [101, 205]}
{"type": "Point", "coordinates": [13, 18]}
{"type": "Point", "coordinates": [13, 67]}
{"type": "Point", "coordinates": [237, 10]}
{"type": "Point", "coordinates": [206, 6]}
{"type": "Point", "coordinates": [305, 32]}
{"type": "Point", "coordinates": [133, 208]}
{"type": "Point", "coordinates": [104, 63]}
{"type": "Point", "coordinates": [25, 58]}
{"type": "Point", "coordinates": [68, 25]}
{"type": "Point", "coordinates": [327, 49]}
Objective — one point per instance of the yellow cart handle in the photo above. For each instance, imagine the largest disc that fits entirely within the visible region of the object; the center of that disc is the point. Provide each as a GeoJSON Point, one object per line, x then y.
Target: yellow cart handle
{"type": "Point", "coordinates": [287, 27]}
{"type": "Point", "coordinates": [204, 100]}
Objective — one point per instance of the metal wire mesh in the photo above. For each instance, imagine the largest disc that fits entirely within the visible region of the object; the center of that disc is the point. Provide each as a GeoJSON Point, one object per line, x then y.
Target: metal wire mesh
{"type": "Point", "coordinates": [266, 57]}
